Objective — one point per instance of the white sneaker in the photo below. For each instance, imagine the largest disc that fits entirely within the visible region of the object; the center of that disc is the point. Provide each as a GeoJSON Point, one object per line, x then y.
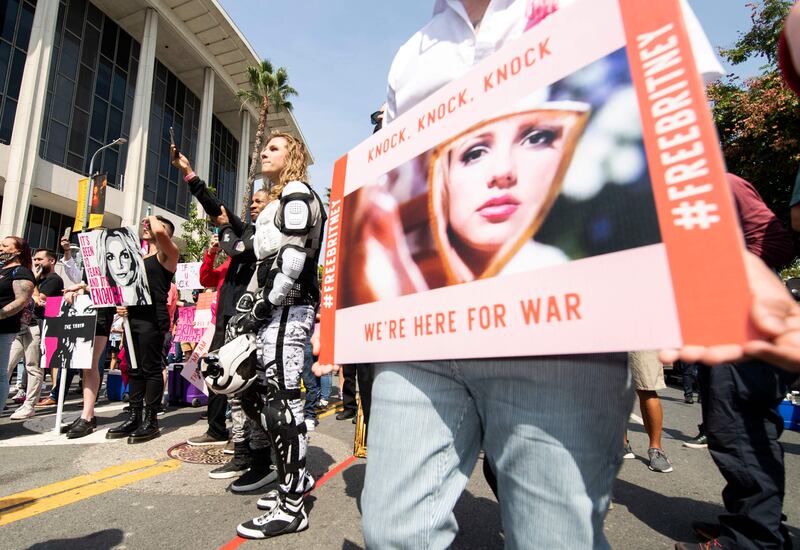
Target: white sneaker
{"type": "Point", "coordinates": [323, 403]}
{"type": "Point", "coordinates": [25, 411]}
{"type": "Point", "coordinates": [287, 517]}
{"type": "Point", "coordinates": [311, 424]}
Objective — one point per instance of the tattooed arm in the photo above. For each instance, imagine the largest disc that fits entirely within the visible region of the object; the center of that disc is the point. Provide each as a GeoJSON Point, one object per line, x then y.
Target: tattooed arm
{"type": "Point", "coordinates": [23, 290]}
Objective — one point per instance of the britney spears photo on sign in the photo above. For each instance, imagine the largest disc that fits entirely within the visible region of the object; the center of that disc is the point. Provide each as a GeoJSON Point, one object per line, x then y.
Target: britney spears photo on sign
{"type": "Point", "coordinates": [557, 199]}
{"type": "Point", "coordinates": [114, 267]}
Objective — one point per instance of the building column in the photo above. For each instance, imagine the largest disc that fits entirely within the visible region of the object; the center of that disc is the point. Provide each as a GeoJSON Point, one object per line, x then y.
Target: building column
{"type": "Point", "coordinates": [23, 155]}
{"type": "Point", "coordinates": [243, 165]}
{"type": "Point", "coordinates": [140, 122]}
{"type": "Point", "coordinates": [203, 163]}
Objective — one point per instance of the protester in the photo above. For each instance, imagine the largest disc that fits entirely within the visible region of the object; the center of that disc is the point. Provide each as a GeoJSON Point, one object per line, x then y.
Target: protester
{"type": "Point", "coordinates": [91, 376]}
{"type": "Point", "coordinates": [236, 238]}
{"type": "Point", "coordinates": [73, 273]}
{"type": "Point", "coordinates": [548, 425]}
{"type": "Point", "coordinates": [27, 343]}
{"type": "Point", "coordinates": [149, 326]}
{"type": "Point", "coordinates": [348, 389]}
{"type": "Point", "coordinates": [740, 424]}
{"type": "Point", "coordinates": [648, 377]}
{"type": "Point", "coordinates": [16, 288]}
{"type": "Point", "coordinates": [282, 311]}
{"type": "Point", "coordinates": [22, 343]}
{"type": "Point", "coordinates": [313, 389]}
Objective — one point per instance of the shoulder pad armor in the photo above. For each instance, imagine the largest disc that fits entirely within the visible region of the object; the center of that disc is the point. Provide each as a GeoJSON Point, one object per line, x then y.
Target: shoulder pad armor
{"type": "Point", "coordinates": [296, 218]}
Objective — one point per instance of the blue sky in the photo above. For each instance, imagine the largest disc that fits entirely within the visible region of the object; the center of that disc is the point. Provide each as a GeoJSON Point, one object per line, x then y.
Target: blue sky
{"type": "Point", "coordinates": [338, 52]}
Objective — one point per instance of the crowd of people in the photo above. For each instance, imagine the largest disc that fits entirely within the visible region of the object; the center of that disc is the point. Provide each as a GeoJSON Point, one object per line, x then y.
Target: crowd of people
{"type": "Point", "coordinates": [550, 460]}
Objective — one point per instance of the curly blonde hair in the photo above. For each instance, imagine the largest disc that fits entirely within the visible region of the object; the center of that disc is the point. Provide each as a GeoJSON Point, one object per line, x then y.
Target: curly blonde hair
{"type": "Point", "coordinates": [296, 163]}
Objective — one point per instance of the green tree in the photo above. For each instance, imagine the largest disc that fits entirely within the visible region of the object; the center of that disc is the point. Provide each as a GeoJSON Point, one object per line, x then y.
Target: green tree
{"type": "Point", "coordinates": [757, 118]}
{"type": "Point", "coordinates": [196, 235]}
{"type": "Point", "coordinates": [269, 92]}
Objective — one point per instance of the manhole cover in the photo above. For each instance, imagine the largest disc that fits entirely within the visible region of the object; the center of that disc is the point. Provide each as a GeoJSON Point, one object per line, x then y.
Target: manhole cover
{"type": "Point", "coordinates": [198, 454]}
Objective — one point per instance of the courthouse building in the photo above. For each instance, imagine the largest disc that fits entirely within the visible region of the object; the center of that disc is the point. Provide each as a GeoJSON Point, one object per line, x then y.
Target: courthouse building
{"type": "Point", "coordinates": [76, 75]}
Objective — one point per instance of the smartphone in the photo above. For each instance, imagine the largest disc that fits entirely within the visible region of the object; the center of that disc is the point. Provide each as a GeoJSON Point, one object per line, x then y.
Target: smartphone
{"type": "Point", "coordinates": [67, 232]}
{"type": "Point", "coordinates": [172, 141]}
{"type": "Point", "coordinates": [216, 230]}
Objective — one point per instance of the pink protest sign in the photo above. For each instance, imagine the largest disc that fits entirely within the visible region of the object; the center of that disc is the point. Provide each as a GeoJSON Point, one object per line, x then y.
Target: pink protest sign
{"type": "Point", "coordinates": [185, 330]}
{"type": "Point", "coordinates": [68, 332]}
{"type": "Point", "coordinates": [190, 370]}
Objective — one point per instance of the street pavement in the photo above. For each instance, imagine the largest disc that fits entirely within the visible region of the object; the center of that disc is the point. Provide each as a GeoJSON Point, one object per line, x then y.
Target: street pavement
{"type": "Point", "coordinates": [98, 494]}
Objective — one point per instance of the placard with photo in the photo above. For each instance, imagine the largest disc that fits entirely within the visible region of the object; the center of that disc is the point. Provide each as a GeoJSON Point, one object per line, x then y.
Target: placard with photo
{"type": "Point", "coordinates": [560, 198]}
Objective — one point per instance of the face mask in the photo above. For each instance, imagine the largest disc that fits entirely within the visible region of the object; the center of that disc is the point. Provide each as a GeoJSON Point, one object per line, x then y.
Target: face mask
{"type": "Point", "coordinates": [6, 257]}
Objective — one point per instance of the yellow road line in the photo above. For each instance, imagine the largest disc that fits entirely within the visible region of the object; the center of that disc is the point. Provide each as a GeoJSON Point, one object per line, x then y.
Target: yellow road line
{"type": "Point", "coordinates": [23, 505]}
{"type": "Point", "coordinates": [73, 483]}
{"type": "Point", "coordinates": [329, 412]}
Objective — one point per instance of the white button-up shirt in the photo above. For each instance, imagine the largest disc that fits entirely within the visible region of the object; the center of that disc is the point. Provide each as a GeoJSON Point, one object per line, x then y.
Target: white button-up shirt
{"type": "Point", "coordinates": [448, 46]}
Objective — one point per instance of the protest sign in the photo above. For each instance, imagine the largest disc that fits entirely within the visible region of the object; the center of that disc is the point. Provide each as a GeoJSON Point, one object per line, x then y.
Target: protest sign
{"type": "Point", "coordinates": [190, 370]}
{"type": "Point", "coordinates": [115, 267]}
{"type": "Point", "coordinates": [203, 316]}
{"type": "Point", "coordinates": [185, 330]}
{"type": "Point", "coordinates": [562, 197]}
{"type": "Point", "coordinates": [68, 332]}
{"type": "Point", "coordinates": [187, 276]}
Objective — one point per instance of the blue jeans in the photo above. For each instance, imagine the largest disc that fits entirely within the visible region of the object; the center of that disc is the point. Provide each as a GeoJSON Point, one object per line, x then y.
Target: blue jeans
{"type": "Point", "coordinates": [312, 385]}
{"type": "Point", "coordinates": [325, 387]}
{"type": "Point", "coordinates": [6, 339]}
{"type": "Point", "coordinates": [551, 428]}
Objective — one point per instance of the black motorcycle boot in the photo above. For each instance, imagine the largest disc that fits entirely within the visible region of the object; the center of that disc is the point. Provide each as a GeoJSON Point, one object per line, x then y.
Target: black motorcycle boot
{"type": "Point", "coordinates": [149, 428]}
{"type": "Point", "coordinates": [130, 425]}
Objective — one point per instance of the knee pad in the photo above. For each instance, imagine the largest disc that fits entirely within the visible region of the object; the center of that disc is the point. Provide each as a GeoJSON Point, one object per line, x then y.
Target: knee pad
{"type": "Point", "coordinates": [253, 401]}
{"type": "Point", "coordinates": [277, 416]}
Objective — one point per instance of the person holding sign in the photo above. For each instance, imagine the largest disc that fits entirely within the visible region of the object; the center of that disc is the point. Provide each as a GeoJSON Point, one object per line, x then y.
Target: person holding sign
{"type": "Point", "coordinates": [550, 426]}
{"type": "Point", "coordinates": [281, 312]}
{"type": "Point", "coordinates": [16, 289]}
{"type": "Point", "coordinates": [149, 324]}
{"type": "Point", "coordinates": [118, 250]}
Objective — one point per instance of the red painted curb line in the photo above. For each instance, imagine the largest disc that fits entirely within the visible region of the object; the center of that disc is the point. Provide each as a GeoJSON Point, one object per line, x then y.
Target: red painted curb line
{"type": "Point", "coordinates": [237, 540]}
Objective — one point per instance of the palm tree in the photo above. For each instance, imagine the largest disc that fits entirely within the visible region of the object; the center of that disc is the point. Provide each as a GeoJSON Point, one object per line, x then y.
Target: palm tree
{"type": "Point", "coordinates": [269, 90]}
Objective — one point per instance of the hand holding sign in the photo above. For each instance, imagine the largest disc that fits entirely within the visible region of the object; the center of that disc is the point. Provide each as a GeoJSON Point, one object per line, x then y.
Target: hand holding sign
{"type": "Point", "coordinates": [775, 316]}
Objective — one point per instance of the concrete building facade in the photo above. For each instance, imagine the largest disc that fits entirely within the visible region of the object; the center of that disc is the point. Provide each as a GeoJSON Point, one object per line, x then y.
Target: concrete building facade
{"type": "Point", "coordinates": [75, 75]}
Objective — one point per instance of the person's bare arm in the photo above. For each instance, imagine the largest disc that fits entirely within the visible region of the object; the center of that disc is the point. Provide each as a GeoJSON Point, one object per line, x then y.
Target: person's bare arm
{"type": "Point", "coordinates": [167, 249]}
{"type": "Point", "coordinates": [23, 290]}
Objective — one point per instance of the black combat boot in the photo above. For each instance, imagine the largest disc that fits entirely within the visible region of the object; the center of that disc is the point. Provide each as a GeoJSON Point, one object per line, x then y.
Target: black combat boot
{"type": "Point", "coordinates": [130, 425]}
{"type": "Point", "coordinates": [149, 428]}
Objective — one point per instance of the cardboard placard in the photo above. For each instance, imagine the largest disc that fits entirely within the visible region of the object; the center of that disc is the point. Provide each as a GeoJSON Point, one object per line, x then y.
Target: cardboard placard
{"type": "Point", "coordinates": [187, 276]}
{"type": "Point", "coordinates": [68, 332]}
{"type": "Point", "coordinates": [114, 267]}
{"type": "Point", "coordinates": [560, 198]}
{"type": "Point", "coordinates": [185, 330]}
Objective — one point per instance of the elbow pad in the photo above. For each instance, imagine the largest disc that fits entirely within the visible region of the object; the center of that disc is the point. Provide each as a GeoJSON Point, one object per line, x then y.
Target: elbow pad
{"type": "Point", "coordinates": [296, 218]}
{"type": "Point", "coordinates": [229, 241]}
{"type": "Point", "coordinates": [291, 261]}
